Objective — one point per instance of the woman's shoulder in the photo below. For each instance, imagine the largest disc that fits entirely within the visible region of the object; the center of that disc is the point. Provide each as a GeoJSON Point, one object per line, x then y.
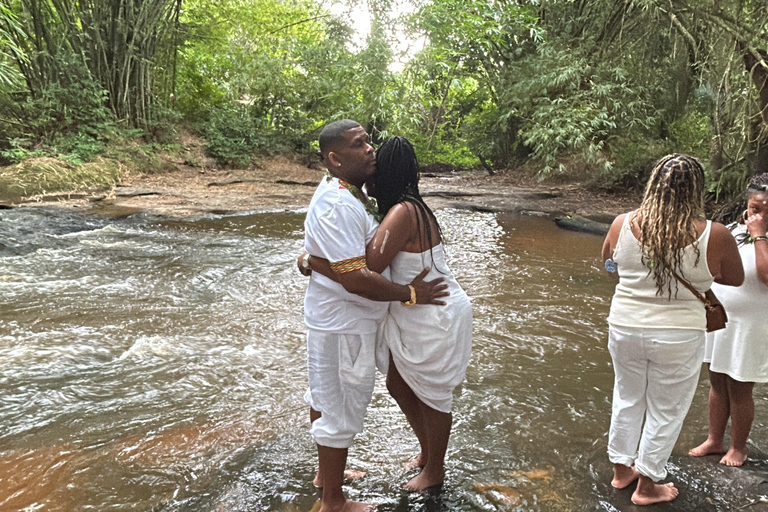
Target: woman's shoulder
{"type": "Point", "coordinates": [400, 213]}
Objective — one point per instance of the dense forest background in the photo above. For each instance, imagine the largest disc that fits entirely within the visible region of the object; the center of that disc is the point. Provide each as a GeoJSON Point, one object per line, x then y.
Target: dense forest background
{"type": "Point", "coordinates": [589, 88]}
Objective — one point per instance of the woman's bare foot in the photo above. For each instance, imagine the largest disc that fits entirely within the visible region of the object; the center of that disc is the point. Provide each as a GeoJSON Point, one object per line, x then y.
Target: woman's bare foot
{"type": "Point", "coordinates": [648, 494]}
{"type": "Point", "coordinates": [349, 475]}
{"type": "Point", "coordinates": [734, 457]}
{"type": "Point", "coordinates": [417, 462]}
{"type": "Point", "coordinates": [424, 480]}
{"type": "Point", "coordinates": [623, 476]}
{"type": "Point", "coordinates": [708, 447]}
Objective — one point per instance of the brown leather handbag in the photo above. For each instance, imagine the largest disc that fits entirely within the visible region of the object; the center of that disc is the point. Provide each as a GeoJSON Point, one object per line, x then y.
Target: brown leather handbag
{"type": "Point", "coordinates": [716, 316]}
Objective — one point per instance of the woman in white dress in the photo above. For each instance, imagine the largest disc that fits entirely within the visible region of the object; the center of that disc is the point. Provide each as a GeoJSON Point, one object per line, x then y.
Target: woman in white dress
{"type": "Point", "coordinates": [738, 354]}
{"type": "Point", "coordinates": [429, 346]}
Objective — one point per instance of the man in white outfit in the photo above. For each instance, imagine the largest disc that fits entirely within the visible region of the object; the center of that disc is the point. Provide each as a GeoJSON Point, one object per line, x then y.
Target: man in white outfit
{"type": "Point", "coordinates": [342, 315]}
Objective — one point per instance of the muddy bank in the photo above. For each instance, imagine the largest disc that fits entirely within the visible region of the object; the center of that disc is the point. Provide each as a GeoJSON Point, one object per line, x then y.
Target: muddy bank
{"type": "Point", "coordinates": [284, 184]}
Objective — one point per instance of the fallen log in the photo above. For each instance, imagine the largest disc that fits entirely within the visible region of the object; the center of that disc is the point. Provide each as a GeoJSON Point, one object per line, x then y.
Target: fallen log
{"type": "Point", "coordinates": [576, 222]}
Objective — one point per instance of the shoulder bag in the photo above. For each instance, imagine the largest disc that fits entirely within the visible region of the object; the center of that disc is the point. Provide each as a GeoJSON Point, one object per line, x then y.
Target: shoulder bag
{"type": "Point", "coordinates": [716, 316]}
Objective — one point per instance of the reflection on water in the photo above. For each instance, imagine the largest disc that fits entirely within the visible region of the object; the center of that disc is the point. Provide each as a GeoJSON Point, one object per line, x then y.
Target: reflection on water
{"type": "Point", "coordinates": [149, 365]}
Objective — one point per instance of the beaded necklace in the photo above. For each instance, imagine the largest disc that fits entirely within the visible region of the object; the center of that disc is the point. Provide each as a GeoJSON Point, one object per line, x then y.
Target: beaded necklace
{"type": "Point", "coordinates": [368, 202]}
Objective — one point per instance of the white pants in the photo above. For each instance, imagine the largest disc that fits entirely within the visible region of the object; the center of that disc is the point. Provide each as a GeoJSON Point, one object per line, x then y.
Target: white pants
{"type": "Point", "coordinates": [341, 371]}
{"type": "Point", "coordinates": [657, 371]}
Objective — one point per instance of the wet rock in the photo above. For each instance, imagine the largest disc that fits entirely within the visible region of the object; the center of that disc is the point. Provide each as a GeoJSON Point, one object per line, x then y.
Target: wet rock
{"type": "Point", "coordinates": [576, 222]}
{"type": "Point", "coordinates": [135, 192]}
{"type": "Point", "coordinates": [302, 183]}
{"type": "Point", "coordinates": [705, 486]}
{"type": "Point", "coordinates": [500, 494]}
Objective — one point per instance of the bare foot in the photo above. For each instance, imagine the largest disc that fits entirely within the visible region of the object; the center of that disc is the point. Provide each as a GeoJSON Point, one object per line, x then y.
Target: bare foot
{"type": "Point", "coordinates": [349, 506]}
{"type": "Point", "coordinates": [417, 462]}
{"type": "Point", "coordinates": [623, 476]}
{"type": "Point", "coordinates": [349, 475]}
{"type": "Point", "coordinates": [425, 481]}
{"type": "Point", "coordinates": [734, 457]}
{"type": "Point", "coordinates": [706, 448]}
{"type": "Point", "coordinates": [654, 493]}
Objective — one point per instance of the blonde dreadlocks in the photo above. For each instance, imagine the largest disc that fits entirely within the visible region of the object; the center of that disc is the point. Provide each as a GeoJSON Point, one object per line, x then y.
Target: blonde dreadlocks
{"type": "Point", "coordinates": [673, 200]}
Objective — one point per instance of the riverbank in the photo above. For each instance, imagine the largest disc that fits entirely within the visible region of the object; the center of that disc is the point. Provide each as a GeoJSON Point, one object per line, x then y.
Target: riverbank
{"type": "Point", "coordinates": [281, 183]}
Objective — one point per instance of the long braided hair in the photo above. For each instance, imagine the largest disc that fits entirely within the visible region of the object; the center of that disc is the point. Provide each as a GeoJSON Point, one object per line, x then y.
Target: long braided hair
{"type": "Point", "coordinates": [397, 181]}
{"type": "Point", "coordinates": [673, 200]}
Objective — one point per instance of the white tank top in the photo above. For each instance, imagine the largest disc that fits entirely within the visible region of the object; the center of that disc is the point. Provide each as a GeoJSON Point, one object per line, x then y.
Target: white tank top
{"type": "Point", "coordinates": [635, 302]}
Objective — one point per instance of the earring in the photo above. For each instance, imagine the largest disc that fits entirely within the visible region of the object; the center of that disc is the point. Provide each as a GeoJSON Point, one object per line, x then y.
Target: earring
{"type": "Point", "coordinates": [745, 215]}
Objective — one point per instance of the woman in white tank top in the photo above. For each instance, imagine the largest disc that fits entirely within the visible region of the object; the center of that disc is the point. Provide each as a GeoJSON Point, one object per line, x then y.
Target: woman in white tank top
{"type": "Point", "coordinates": [657, 326]}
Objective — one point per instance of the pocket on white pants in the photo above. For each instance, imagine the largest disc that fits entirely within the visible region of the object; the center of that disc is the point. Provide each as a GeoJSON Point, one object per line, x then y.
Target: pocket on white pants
{"type": "Point", "coordinates": [678, 336]}
{"type": "Point", "coordinates": [357, 363]}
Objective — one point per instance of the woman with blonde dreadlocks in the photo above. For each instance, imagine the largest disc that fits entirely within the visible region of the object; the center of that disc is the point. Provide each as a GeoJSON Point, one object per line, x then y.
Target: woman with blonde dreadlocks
{"type": "Point", "coordinates": [657, 326]}
{"type": "Point", "coordinates": [738, 354]}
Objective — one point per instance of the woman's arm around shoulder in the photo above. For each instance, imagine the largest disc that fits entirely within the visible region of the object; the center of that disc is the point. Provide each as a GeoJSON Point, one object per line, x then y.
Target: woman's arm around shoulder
{"type": "Point", "coordinates": [394, 232]}
{"type": "Point", "coordinates": [723, 257]}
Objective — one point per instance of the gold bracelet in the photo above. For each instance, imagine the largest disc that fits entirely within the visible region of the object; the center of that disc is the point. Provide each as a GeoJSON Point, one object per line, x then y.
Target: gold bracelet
{"type": "Point", "coordinates": [760, 238]}
{"type": "Point", "coordinates": [413, 297]}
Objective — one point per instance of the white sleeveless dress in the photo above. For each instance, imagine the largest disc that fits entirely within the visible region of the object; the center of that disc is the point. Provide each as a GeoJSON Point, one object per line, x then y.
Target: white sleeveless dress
{"type": "Point", "coordinates": [741, 349]}
{"type": "Point", "coordinates": [430, 345]}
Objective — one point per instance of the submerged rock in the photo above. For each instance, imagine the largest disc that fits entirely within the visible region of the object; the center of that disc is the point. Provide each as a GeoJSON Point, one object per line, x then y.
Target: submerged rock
{"type": "Point", "coordinates": [576, 222]}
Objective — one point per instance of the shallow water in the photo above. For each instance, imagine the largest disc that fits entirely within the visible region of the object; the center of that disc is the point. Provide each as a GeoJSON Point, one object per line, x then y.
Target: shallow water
{"type": "Point", "coordinates": [157, 365]}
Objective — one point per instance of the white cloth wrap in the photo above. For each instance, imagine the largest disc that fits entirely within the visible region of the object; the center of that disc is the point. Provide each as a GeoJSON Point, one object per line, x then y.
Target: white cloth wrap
{"type": "Point", "coordinates": [341, 377]}
{"type": "Point", "coordinates": [430, 345]}
{"type": "Point", "coordinates": [741, 349]}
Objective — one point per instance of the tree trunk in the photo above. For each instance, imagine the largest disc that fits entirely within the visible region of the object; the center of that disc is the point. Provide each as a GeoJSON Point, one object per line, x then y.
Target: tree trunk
{"type": "Point", "coordinates": [756, 62]}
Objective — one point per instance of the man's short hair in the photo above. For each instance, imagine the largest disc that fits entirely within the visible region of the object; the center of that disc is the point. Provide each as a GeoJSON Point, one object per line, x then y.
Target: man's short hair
{"type": "Point", "coordinates": [332, 133]}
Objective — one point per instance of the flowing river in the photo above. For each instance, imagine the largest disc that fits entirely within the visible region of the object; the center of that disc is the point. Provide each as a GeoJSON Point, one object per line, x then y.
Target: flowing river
{"type": "Point", "coordinates": [155, 365]}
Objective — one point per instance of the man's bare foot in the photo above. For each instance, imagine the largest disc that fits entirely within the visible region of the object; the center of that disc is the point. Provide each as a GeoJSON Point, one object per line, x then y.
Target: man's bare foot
{"type": "Point", "coordinates": [424, 481]}
{"type": "Point", "coordinates": [349, 506]}
{"type": "Point", "coordinates": [417, 462]}
{"type": "Point", "coordinates": [654, 493]}
{"type": "Point", "coordinates": [706, 448]}
{"type": "Point", "coordinates": [349, 475]}
{"type": "Point", "coordinates": [623, 476]}
{"type": "Point", "coordinates": [734, 457]}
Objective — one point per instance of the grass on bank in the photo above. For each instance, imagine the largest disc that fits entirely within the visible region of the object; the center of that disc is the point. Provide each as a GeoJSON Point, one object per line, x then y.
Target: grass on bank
{"type": "Point", "coordinates": [41, 175]}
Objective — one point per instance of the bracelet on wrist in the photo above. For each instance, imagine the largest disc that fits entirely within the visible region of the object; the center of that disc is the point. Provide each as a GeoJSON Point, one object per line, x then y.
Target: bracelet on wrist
{"type": "Point", "coordinates": [305, 262]}
{"type": "Point", "coordinates": [412, 300]}
{"type": "Point", "coordinates": [764, 238]}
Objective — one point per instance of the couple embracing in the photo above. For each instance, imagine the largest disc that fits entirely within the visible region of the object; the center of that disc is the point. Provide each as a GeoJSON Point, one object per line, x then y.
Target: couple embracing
{"type": "Point", "coordinates": [380, 295]}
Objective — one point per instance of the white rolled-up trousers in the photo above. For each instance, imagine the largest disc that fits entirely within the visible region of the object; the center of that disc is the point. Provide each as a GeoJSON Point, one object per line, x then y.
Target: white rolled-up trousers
{"type": "Point", "coordinates": [342, 371]}
{"type": "Point", "coordinates": [657, 371]}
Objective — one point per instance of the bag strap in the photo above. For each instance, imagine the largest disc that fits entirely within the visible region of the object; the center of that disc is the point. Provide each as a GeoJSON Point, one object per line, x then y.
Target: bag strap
{"type": "Point", "coordinates": [693, 290]}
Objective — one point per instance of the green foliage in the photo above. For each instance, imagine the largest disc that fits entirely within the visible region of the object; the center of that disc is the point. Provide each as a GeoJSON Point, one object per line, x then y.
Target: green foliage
{"type": "Point", "coordinates": [607, 86]}
{"type": "Point", "coordinates": [692, 134]}
{"type": "Point", "coordinates": [633, 159]}
{"type": "Point", "coordinates": [235, 135]}
{"type": "Point", "coordinates": [10, 29]}
{"type": "Point", "coordinates": [69, 119]}
{"type": "Point", "coordinates": [19, 151]}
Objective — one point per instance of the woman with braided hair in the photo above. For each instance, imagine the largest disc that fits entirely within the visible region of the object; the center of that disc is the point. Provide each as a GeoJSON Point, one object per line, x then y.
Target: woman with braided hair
{"type": "Point", "coordinates": [657, 326]}
{"type": "Point", "coordinates": [738, 354]}
{"type": "Point", "coordinates": [428, 347]}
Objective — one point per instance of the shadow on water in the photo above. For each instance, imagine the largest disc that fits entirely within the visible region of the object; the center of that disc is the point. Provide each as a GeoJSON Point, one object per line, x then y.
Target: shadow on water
{"type": "Point", "coordinates": [159, 365]}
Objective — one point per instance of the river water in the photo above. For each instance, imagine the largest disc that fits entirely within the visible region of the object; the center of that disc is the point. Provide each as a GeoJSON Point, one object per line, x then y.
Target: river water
{"type": "Point", "coordinates": [150, 365]}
